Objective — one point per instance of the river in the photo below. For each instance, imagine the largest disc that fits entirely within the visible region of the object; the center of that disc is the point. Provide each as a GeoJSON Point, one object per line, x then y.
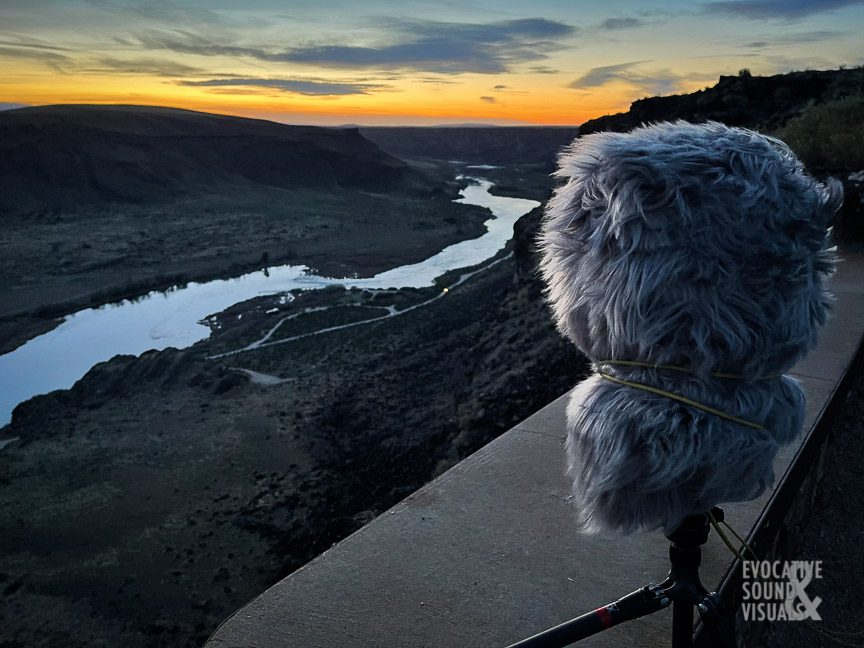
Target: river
{"type": "Point", "coordinates": [172, 318]}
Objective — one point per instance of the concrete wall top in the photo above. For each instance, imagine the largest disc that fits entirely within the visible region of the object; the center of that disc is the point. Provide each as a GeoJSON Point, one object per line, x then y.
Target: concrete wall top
{"type": "Point", "coordinates": [488, 553]}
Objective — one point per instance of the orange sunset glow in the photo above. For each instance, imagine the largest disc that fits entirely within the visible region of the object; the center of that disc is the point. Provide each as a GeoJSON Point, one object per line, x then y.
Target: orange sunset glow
{"type": "Point", "coordinates": [405, 63]}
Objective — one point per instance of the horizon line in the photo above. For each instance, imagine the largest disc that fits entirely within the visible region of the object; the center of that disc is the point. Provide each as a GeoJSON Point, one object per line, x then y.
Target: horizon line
{"type": "Point", "coordinates": [16, 106]}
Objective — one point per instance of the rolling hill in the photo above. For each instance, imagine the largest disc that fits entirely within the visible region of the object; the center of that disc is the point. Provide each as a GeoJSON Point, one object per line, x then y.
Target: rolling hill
{"type": "Point", "coordinates": [103, 202]}
{"type": "Point", "coordinates": [64, 156]}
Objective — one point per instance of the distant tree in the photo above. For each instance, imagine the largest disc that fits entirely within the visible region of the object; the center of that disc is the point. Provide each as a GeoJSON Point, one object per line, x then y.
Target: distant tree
{"type": "Point", "coordinates": [744, 73]}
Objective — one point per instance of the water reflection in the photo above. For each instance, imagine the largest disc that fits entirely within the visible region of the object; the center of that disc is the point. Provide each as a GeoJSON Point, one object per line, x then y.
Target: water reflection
{"type": "Point", "coordinates": [172, 318]}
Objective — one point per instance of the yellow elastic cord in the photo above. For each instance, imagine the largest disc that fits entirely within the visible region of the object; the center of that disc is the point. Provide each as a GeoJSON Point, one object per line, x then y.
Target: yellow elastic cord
{"type": "Point", "coordinates": [683, 399]}
{"type": "Point", "coordinates": [739, 553]}
{"type": "Point", "coordinates": [845, 637]}
{"type": "Point", "coordinates": [648, 365]}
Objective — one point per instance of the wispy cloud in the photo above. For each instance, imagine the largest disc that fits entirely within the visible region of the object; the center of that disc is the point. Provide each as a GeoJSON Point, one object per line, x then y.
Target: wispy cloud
{"type": "Point", "coordinates": [780, 64]}
{"type": "Point", "coordinates": [627, 22]}
{"type": "Point", "coordinates": [507, 90]}
{"type": "Point", "coordinates": [292, 86]}
{"type": "Point", "coordinates": [521, 28]}
{"type": "Point", "coordinates": [53, 59]}
{"type": "Point", "coordinates": [24, 47]}
{"type": "Point", "coordinates": [15, 40]}
{"type": "Point", "coordinates": [795, 39]}
{"type": "Point", "coordinates": [783, 9]}
{"type": "Point", "coordinates": [664, 82]}
{"type": "Point", "coordinates": [542, 69]}
{"type": "Point", "coordinates": [487, 99]}
{"type": "Point", "coordinates": [653, 82]}
{"type": "Point", "coordinates": [157, 67]}
{"type": "Point", "coordinates": [598, 76]}
{"type": "Point", "coordinates": [160, 11]}
{"type": "Point", "coordinates": [187, 42]}
{"type": "Point", "coordinates": [417, 45]}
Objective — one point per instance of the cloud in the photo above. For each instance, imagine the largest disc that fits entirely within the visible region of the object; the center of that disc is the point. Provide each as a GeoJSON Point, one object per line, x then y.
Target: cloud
{"type": "Point", "coordinates": [507, 90]}
{"type": "Point", "coordinates": [542, 69]}
{"type": "Point", "coordinates": [158, 67]}
{"type": "Point", "coordinates": [187, 42]}
{"type": "Point", "coordinates": [794, 39]}
{"type": "Point", "coordinates": [52, 59]}
{"type": "Point", "coordinates": [14, 40]}
{"type": "Point", "coordinates": [655, 82]}
{"type": "Point", "coordinates": [418, 45]}
{"type": "Point", "coordinates": [490, 100]}
{"type": "Point", "coordinates": [238, 91]}
{"type": "Point", "coordinates": [446, 47]}
{"type": "Point", "coordinates": [531, 28]}
{"type": "Point", "coordinates": [779, 64]}
{"type": "Point", "coordinates": [784, 9]}
{"type": "Point", "coordinates": [611, 24]}
{"type": "Point", "coordinates": [160, 11]}
{"type": "Point", "coordinates": [11, 106]}
{"type": "Point", "coordinates": [663, 82]}
{"type": "Point", "coordinates": [598, 76]}
{"type": "Point", "coordinates": [292, 86]}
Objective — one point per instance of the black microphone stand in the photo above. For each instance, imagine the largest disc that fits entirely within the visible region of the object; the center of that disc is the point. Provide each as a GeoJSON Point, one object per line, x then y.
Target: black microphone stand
{"type": "Point", "coordinates": [682, 589]}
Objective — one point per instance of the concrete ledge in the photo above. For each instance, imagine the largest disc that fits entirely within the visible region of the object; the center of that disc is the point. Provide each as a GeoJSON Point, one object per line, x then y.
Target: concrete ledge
{"type": "Point", "coordinates": [487, 553]}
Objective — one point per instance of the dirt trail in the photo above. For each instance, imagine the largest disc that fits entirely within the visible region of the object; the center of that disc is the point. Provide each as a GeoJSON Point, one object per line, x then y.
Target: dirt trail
{"type": "Point", "coordinates": [265, 340]}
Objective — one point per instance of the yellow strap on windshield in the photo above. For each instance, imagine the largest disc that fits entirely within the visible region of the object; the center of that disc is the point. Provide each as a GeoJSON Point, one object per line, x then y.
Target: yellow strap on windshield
{"type": "Point", "coordinates": [683, 399]}
{"type": "Point", "coordinates": [648, 365]}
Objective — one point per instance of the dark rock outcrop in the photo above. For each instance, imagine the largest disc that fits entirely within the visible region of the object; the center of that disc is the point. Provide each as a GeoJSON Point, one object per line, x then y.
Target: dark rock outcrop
{"type": "Point", "coordinates": [763, 103]}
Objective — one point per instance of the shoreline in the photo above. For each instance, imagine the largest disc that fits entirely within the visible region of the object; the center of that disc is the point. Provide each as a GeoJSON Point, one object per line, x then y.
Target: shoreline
{"type": "Point", "coordinates": [214, 486]}
{"type": "Point", "coordinates": [214, 479]}
{"type": "Point", "coordinates": [26, 316]}
{"type": "Point", "coordinates": [429, 269]}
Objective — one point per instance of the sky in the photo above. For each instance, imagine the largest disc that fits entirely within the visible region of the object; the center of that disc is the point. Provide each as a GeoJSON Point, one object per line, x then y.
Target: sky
{"type": "Point", "coordinates": [423, 62]}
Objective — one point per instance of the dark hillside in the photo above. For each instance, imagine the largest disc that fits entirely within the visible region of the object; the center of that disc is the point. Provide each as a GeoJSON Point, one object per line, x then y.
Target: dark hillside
{"type": "Point", "coordinates": [54, 157]}
{"type": "Point", "coordinates": [817, 113]}
{"type": "Point", "coordinates": [99, 203]}
{"type": "Point", "coordinates": [763, 103]}
{"type": "Point", "coordinates": [505, 146]}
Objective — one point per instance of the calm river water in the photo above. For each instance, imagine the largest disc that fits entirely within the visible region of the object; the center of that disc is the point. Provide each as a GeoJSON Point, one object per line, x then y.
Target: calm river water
{"type": "Point", "coordinates": [158, 320]}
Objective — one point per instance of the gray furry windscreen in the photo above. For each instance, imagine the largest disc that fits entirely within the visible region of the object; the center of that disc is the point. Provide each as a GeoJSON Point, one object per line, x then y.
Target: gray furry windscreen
{"type": "Point", "coordinates": [690, 259]}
